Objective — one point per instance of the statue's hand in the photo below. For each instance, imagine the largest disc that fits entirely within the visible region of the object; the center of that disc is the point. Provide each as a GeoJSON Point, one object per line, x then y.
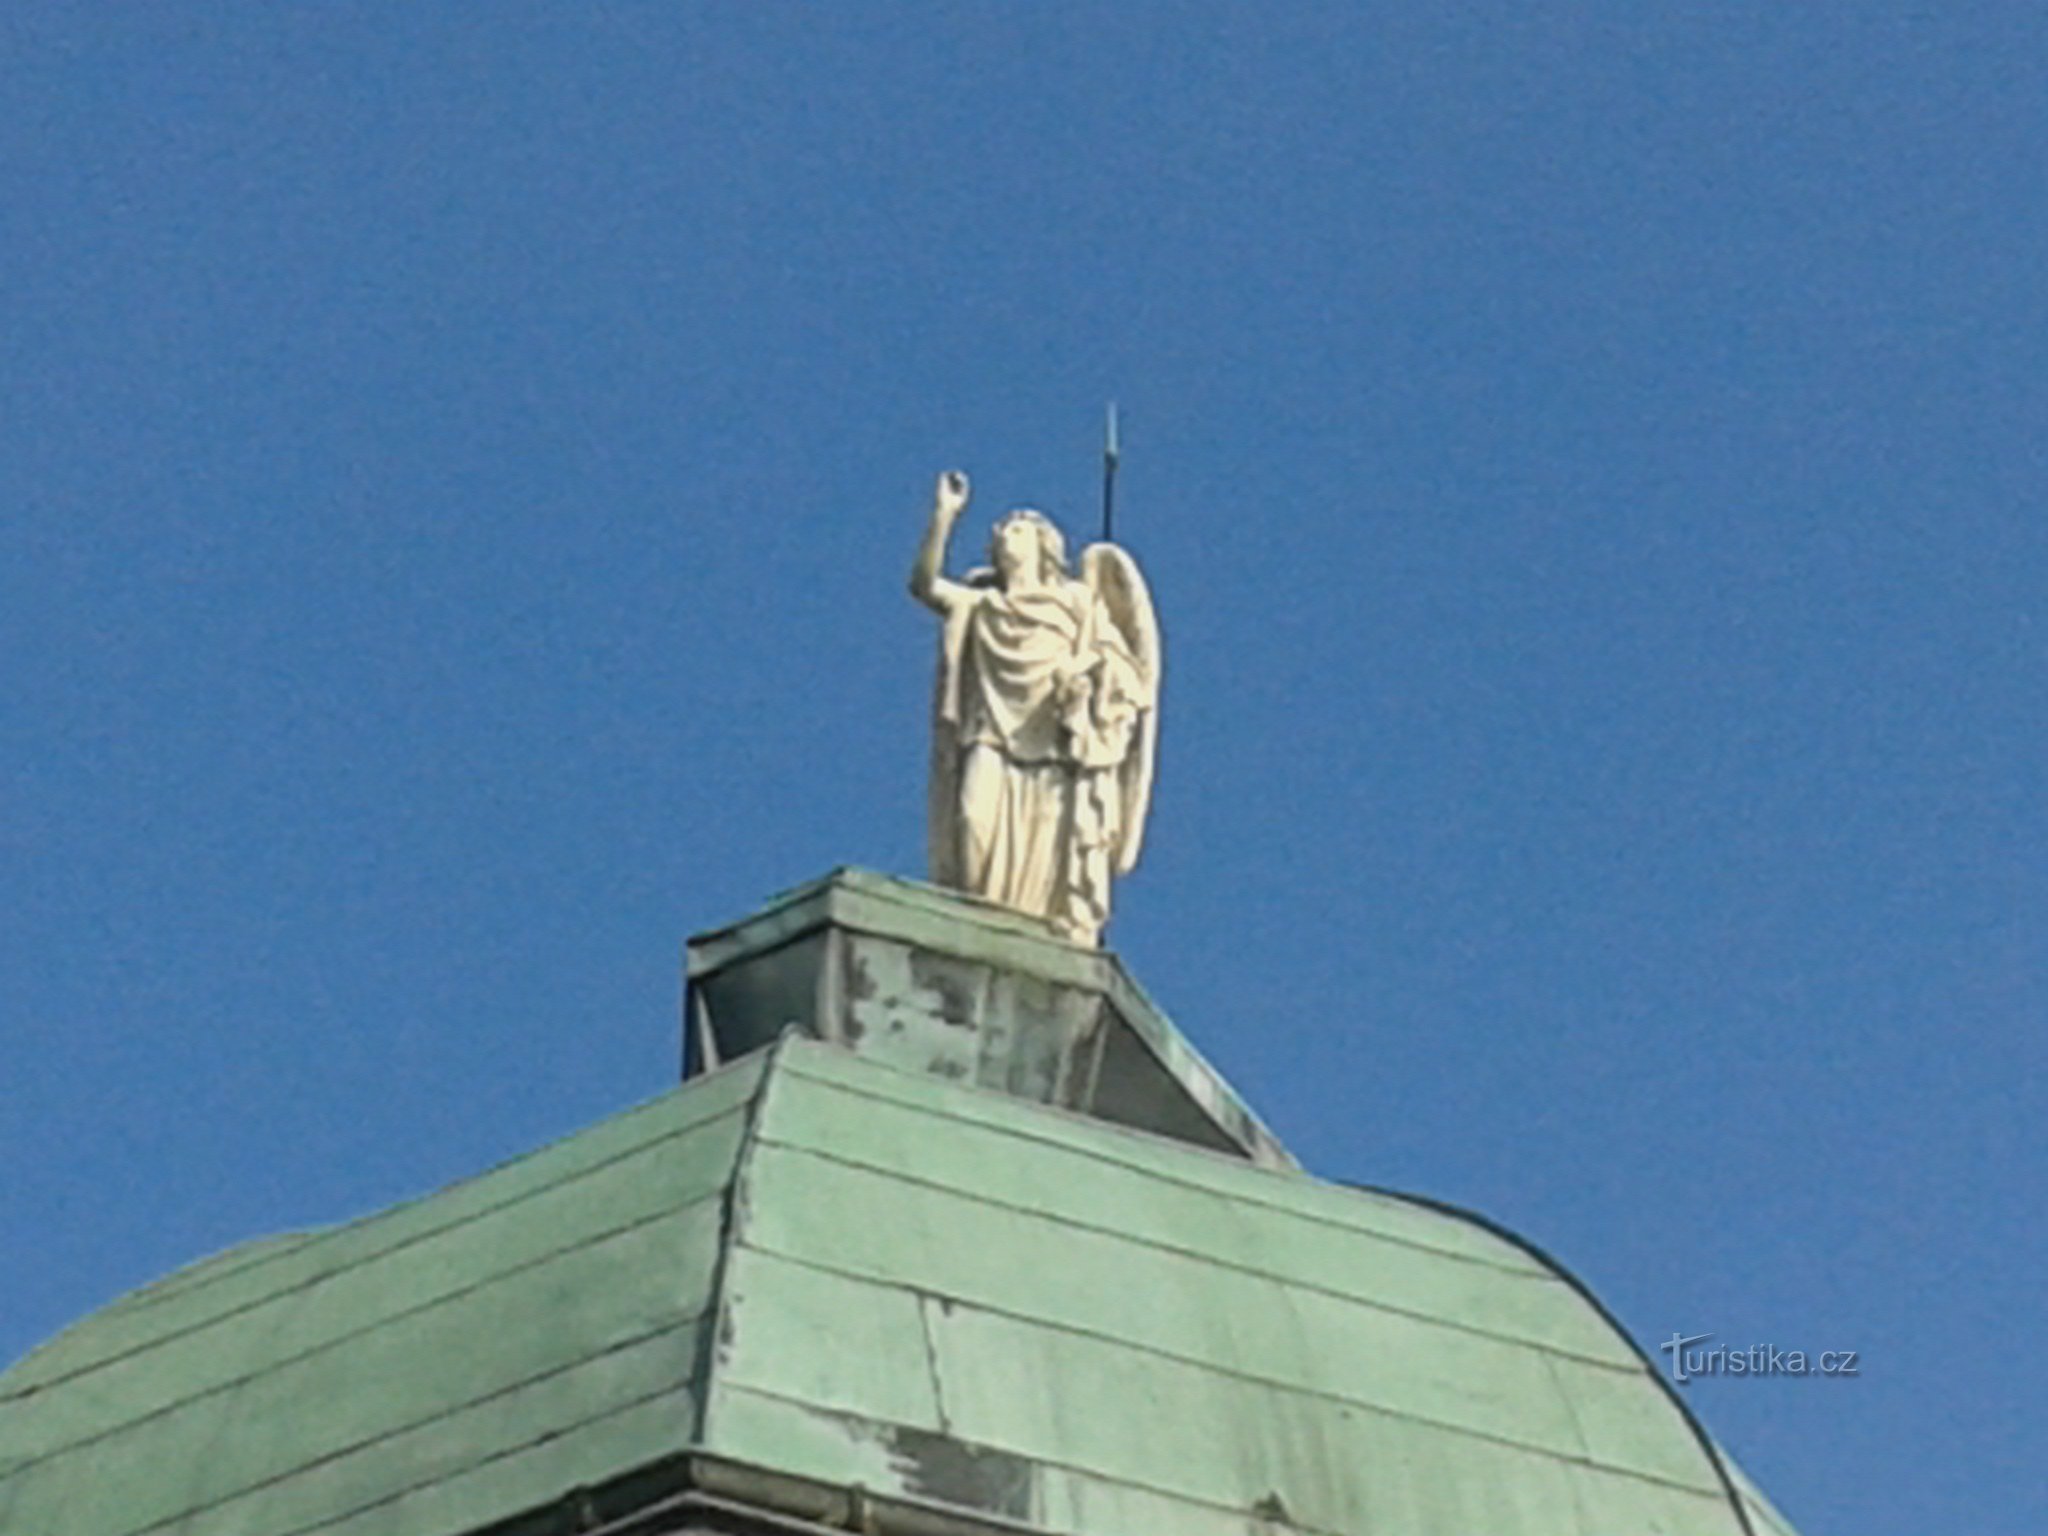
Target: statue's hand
{"type": "Point", "coordinates": [950, 499]}
{"type": "Point", "coordinates": [1076, 692]}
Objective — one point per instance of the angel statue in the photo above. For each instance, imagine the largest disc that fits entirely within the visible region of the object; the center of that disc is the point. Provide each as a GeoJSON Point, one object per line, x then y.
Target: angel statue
{"type": "Point", "coordinates": [1046, 723]}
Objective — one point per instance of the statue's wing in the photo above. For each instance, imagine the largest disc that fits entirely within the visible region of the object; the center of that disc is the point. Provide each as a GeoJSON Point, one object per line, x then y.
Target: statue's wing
{"type": "Point", "coordinates": [1118, 582]}
{"type": "Point", "coordinates": [942, 795]}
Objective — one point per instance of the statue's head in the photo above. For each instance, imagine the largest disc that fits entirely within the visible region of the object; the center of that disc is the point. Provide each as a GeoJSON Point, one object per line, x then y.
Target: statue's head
{"type": "Point", "coordinates": [1027, 539]}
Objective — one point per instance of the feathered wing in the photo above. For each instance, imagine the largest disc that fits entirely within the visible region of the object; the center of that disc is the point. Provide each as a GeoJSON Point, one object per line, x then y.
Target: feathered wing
{"type": "Point", "coordinates": [1117, 581]}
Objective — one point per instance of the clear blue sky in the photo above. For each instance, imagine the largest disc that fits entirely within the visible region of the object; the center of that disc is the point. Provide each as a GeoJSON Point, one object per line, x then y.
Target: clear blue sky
{"type": "Point", "coordinates": [458, 471]}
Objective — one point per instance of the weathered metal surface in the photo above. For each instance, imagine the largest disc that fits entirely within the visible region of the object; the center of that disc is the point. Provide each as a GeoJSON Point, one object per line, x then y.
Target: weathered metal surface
{"type": "Point", "coordinates": [894, 1297]}
{"type": "Point", "coordinates": [1160, 1341]}
{"type": "Point", "coordinates": [748, 1006]}
{"type": "Point", "coordinates": [967, 1020]}
{"type": "Point", "coordinates": [934, 982]}
{"type": "Point", "coordinates": [457, 1354]}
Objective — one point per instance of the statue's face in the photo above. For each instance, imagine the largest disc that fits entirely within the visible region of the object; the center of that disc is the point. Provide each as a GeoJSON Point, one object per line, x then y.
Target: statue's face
{"type": "Point", "coordinates": [1016, 549]}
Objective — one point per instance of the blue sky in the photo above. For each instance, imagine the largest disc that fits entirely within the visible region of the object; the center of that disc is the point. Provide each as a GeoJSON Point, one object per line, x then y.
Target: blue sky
{"type": "Point", "coordinates": [460, 466]}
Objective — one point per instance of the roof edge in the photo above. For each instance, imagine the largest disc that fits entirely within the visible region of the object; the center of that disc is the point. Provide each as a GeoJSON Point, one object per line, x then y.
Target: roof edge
{"type": "Point", "coordinates": [1723, 1470]}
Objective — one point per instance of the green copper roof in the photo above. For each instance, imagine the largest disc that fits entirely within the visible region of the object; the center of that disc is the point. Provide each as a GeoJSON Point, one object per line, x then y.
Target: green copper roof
{"type": "Point", "coordinates": [425, 1370]}
{"type": "Point", "coordinates": [809, 1273]}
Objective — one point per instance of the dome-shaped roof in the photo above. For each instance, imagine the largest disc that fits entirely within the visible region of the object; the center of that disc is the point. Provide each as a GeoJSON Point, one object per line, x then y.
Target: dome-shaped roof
{"type": "Point", "coordinates": [831, 1287]}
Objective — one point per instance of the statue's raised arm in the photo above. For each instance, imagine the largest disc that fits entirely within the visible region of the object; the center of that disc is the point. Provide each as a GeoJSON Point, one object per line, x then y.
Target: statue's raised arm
{"type": "Point", "coordinates": [928, 583]}
{"type": "Point", "coordinates": [1045, 724]}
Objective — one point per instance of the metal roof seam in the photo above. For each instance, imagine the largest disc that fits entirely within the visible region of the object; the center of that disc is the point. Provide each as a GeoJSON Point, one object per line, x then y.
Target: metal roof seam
{"type": "Point", "coordinates": [804, 1274]}
{"type": "Point", "coordinates": [1198, 1256]}
{"type": "Point", "coordinates": [1184, 1496]}
{"type": "Point", "coordinates": [931, 1357]}
{"type": "Point", "coordinates": [1274, 1383]}
{"type": "Point", "coordinates": [731, 1234]}
{"type": "Point", "coordinates": [1571, 1415]}
{"type": "Point", "coordinates": [1297, 1177]}
{"type": "Point", "coordinates": [215, 1266]}
{"type": "Point", "coordinates": [339, 1341]}
{"type": "Point", "coordinates": [323, 1276]}
{"type": "Point", "coordinates": [301, 1468]}
{"type": "Point", "coordinates": [151, 1294]}
{"type": "Point", "coordinates": [1236, 1160]}
{"type": "Point", "coordinates": [1670, 1392]}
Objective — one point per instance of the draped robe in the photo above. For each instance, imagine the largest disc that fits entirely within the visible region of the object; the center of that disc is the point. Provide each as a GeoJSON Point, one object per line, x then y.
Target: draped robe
{"type": "Point", "coordinates": [1038, 698]}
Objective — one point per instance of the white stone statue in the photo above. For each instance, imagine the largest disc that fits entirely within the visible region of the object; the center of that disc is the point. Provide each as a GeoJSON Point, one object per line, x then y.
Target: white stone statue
{"type": "Point", "coordinates": [1046, 724]}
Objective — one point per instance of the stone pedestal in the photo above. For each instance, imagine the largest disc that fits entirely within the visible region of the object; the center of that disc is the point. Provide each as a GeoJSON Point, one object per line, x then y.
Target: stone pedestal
{"type": "Point", "coordinates": [930, 981]}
